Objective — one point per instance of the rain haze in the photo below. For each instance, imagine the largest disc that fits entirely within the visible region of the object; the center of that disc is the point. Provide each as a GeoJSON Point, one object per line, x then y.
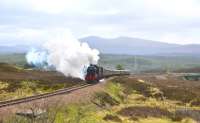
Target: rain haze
{"type": "Point", "coordinates": [35, 21]}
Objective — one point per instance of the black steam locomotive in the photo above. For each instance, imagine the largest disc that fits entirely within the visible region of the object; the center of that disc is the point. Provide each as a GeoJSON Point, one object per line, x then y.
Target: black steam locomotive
{"type": "Point", "coordinates": [96, 73]}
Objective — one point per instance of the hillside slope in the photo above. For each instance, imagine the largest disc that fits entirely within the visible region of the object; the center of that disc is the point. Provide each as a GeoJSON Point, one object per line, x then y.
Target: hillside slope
{"type": "Point", "coordinates": [127, 45]}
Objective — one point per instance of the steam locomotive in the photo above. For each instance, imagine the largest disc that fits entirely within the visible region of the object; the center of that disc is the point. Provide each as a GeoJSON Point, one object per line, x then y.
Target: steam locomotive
{"type": "Point", "coordinates": [96, 73]}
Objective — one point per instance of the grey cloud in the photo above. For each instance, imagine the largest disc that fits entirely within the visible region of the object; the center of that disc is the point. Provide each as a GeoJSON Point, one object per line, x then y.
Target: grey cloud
{"type": "Point", "coordinates": [131, 18]}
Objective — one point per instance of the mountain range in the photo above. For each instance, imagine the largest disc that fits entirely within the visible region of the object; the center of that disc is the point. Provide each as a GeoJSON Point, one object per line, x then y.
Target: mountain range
{"type": "Point", "coordinates": [124, 45]}
{"type": "Point", "coordinates": [14, 49]}
{"type": "Point", "coordinates": [137, 46]}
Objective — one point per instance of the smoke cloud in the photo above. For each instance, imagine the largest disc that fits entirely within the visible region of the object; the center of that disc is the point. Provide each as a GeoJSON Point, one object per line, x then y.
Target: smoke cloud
{"type": "Point", "coordinates": [64, 53]}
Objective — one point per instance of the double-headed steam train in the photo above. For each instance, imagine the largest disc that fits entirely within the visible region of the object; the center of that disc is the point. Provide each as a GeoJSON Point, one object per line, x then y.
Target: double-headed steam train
{"type": "Point", "coordinates": [96, 73]}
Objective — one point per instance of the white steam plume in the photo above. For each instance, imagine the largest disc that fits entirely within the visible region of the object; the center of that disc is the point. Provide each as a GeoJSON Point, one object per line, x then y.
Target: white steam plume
{"type": "Point", "coordinates": [66, 54]}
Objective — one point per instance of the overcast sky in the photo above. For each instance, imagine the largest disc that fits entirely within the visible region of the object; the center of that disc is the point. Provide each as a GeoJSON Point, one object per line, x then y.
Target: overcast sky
{"type": "Point", "coordinates": [30, 21]}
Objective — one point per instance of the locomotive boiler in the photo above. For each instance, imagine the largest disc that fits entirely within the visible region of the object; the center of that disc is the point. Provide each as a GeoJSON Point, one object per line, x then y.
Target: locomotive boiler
{"type": "Point", "coordinates": [95, 73]}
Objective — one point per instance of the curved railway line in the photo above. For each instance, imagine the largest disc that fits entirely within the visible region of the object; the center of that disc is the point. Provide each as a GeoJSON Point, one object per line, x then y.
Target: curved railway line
{"type": "Point", "coordinates": [102, 74]}
{"type": "Point", "coordinates": [41, 96]}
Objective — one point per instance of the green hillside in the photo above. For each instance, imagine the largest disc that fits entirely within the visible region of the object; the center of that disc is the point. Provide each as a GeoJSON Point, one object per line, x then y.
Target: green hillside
{"type": "Point", "coordinates": [133, 63]}
{"type": "Point", "coordinates": [150, 63]}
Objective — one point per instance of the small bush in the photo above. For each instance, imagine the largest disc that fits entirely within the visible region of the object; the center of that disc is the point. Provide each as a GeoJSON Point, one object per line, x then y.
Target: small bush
{"type": "Point", "coordinates": [113, 95]}
{"type": "Point", "coordinates": [156, 93]}
{"type": "Point", "coordinates": [113, 118]}
{"type": "Point", "coordinates": [195, 102]}
{"type": "Point", "coordinates": [119, 67]}
{"type": "Point", "coordinates": [3, 85]}
{"type": "Point", "coordinates": [104, 99]}
{"type": "Point", "coordinates": [115, 90]}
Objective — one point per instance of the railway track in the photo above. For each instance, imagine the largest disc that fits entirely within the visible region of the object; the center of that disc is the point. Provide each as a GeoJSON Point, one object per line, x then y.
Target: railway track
{"type": "Point", "coordinates": [41, 96]}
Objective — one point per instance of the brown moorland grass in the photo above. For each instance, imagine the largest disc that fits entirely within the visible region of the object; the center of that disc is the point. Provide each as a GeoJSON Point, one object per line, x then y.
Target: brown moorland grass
{"type": "Point", "coordinates": [173, 88]}
{"type": "Point", "coordinates": [18, 82]}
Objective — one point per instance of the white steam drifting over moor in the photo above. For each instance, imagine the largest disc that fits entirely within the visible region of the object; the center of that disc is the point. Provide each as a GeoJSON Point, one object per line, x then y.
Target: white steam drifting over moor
{"type": "Point", "coordinates": [64, 53]}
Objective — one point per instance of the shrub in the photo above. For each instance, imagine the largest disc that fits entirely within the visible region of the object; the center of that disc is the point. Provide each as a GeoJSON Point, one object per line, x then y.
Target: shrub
{"type": "Point", "coordinates": [119, 67]}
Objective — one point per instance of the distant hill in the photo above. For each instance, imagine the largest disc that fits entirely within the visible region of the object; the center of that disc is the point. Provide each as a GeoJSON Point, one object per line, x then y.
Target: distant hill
{"type": "Point", "coordinates": [136, 46]}
{"type": "Point", "coordinates": [14, 49]}
{"type": "Point", "coordinates": [123, 45]}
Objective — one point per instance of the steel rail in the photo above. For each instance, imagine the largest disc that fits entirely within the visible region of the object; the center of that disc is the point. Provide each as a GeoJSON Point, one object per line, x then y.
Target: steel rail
{"type": "Point", "coordinates": [41, 96]}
